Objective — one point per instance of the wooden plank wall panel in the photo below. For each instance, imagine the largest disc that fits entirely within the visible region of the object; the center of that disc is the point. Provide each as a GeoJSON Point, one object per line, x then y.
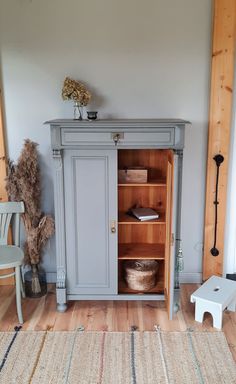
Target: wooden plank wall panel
{"type": "Point", "coordinates": [3, 194]}
{"type": "Point", "coordinates": [223, 59]}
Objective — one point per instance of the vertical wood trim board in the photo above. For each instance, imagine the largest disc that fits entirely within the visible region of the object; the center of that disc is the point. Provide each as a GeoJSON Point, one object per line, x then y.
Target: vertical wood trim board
{"type": "Point", "coordinates": [3, 193]}
{"type": "Point", "coordinates": [221, 95]}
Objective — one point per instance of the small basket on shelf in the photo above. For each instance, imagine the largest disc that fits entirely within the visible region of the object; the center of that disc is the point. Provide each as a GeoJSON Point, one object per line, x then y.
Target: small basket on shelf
{"type": "Point", "coordinates": [141, 275]}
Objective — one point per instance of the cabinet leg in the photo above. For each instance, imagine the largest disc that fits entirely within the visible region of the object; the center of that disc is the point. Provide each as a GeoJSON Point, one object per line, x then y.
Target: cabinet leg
{"type": "Point", "coordinates": [61, 307]}
{"type": "Point", "coordinates": [176, 307]}
{"type": "Point", "coordinates": [176, 301]}
{"type": "Point", "coordinates": [61, 299]}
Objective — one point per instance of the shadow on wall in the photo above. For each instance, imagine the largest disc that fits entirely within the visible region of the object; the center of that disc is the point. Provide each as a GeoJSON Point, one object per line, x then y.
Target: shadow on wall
{"type": "Point", "coordinates": [193, 195]}
{"type": "Point", "coordinates": [97, 99]}
{"type": "Point", "coordinates": [48, 207]}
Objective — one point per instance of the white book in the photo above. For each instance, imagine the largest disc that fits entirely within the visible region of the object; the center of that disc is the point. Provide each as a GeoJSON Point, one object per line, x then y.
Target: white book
{"type": "Point", "coordinates": [144, 214]}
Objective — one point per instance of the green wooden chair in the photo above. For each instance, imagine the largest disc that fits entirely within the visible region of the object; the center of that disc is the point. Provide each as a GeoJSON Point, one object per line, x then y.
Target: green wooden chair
{"type": "Point", "coordinates": [11, 256]}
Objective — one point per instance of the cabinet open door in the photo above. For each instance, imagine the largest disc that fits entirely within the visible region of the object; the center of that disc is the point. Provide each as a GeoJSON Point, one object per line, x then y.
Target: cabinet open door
{"type": "Point", "coordinates": [171, 221]}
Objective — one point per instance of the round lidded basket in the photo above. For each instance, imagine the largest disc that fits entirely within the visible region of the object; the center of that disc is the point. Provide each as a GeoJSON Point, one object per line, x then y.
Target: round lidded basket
{"type": "Point", "coordinates": [141, 275]}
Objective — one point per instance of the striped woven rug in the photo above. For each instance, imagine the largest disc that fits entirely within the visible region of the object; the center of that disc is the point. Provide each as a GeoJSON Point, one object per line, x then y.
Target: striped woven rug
{"type": "Point", "coordinates": [115, 357]}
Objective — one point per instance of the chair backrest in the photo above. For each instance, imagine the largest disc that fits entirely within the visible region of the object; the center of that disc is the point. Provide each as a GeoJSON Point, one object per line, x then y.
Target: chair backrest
{"type": "Point", "coordinates": [7, 211]}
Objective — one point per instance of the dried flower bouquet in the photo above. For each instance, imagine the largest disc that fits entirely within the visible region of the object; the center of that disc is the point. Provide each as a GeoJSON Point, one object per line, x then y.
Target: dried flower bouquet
{"type": "Point", "coordinates": [75, 90]}
{"type": "Point", "coordinates": [23, 184]}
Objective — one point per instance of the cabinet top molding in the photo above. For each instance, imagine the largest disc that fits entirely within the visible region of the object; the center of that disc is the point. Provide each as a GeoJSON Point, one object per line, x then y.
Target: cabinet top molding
{"type": "Point", "coordinates": [117, 123]}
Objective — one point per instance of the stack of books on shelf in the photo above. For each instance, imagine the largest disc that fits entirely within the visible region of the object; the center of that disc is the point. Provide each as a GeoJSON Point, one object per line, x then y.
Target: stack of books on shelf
{"type": "Point", "coordinates": [144, 214]}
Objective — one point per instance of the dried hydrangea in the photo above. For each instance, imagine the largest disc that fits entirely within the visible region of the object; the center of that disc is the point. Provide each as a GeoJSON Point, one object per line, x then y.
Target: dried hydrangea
{"type": "Point", "coordinates": [75, 90]}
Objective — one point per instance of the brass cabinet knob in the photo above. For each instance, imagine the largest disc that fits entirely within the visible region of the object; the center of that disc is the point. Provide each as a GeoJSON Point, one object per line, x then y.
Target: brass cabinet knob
{"type": "Point", "coordinates": [113, 226]}
{"type": "Point", "coordinates": [116, 138]}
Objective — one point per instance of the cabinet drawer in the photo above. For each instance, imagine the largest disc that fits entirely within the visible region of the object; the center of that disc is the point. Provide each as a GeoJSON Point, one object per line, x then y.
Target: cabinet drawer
{"type": "Point", "coordinates": [157, 137]}
{"type": "Point", "coordinates": [152, 138]}
{"type": "Point", "coordinates": [84, 137]}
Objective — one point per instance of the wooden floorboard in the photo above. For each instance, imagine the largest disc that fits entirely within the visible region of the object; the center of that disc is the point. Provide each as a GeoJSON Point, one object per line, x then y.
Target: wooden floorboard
{"type": "Point", "coordinates": [41, 314]}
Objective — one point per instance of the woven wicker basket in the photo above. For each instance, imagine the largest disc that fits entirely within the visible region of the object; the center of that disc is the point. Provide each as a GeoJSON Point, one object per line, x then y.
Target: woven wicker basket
{"type": "Point", "coordinates": [141, 275]}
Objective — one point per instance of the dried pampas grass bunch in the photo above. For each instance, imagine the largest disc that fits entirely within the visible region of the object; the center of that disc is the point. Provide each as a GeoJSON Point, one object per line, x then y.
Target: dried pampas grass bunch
{"type": "Point", "coordinates": [75, 90]}
{"type": "Point", "coordinates": [23, 184]}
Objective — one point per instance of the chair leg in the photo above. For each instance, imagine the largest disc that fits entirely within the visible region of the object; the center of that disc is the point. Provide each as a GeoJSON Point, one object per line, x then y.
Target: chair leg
{"type": "Point", "coordinates": [18, 295]}
{"type": "Point", "coordinates": [22, 285]}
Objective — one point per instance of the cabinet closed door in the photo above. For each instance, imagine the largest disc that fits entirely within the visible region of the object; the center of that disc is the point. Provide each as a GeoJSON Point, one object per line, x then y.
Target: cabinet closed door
{"type": "Point", "coordinates": [90, 181]}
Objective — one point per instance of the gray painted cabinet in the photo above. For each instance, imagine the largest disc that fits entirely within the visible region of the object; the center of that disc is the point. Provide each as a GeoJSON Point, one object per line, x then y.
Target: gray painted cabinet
{"type": "Point", "coordinates": [93, 235]}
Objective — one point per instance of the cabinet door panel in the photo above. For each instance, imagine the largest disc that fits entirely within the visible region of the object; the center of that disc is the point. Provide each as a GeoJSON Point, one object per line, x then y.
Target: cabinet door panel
{"type": "Point", "coordinates": [91, 201]}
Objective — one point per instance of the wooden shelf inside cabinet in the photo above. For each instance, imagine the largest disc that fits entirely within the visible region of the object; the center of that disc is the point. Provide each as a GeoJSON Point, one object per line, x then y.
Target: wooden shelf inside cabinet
{"type": "Point", "coordinates": [123, 218]}
{"type": "Point", "coordinates": [151, 183]}
{"type": "Point", "coordinates": [133, 251]}
{"type": "Point", "coordinates": [123, 288]}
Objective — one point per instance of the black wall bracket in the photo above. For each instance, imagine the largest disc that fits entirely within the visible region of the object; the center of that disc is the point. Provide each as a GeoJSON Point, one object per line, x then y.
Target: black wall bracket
{"type": "Point", "coordinates": [218, 160]}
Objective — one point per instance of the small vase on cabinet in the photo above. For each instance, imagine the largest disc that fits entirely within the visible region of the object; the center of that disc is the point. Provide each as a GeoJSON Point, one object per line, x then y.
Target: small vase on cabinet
{"type": "Point", "coordinates": [78, 111]}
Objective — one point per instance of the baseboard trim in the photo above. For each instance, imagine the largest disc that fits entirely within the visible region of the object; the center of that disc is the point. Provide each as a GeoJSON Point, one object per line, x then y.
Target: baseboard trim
{"type": "Point", "coordinates": [231, 276]}
{"type": "Point", "coordinates": [190, 277]}
{"type": "Point", "coordinates": [185, 277]}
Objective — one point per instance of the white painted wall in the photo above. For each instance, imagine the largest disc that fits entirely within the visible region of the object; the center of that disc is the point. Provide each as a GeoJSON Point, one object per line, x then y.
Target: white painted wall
{"type": "Point", "coordinates": [230, 228]}
{"type": "Point", "coordinates": [140, 58]}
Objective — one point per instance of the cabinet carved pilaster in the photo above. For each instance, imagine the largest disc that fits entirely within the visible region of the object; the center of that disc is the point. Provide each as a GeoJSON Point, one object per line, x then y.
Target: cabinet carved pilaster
{"type": "Point", "coordinates": [60, 229]}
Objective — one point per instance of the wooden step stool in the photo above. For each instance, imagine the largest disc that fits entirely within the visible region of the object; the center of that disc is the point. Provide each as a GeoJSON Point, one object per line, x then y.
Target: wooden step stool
{"type": "Point", "coordinates": [214, 296]}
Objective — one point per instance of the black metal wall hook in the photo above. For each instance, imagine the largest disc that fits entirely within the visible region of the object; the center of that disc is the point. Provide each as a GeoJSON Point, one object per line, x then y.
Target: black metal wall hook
{"type": "Point", "coordinates": [218, 160]}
